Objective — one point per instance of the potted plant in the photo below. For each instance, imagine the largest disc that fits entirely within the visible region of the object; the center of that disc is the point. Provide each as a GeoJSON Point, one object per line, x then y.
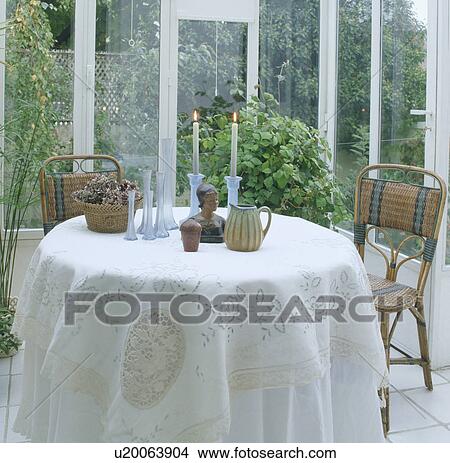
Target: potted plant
{"type": "Point", "coordinates": [281, 160]}
{"type": "Point", "coordinates": [19, 179]}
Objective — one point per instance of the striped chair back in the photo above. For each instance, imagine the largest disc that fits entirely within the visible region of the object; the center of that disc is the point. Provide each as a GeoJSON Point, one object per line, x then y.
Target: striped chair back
{"type": "Point", "coordinates": [404, 206]}
{"type": "Point", "coordinates": [57, 187]}
{"type": "Point", "coordinates": [409, 208]}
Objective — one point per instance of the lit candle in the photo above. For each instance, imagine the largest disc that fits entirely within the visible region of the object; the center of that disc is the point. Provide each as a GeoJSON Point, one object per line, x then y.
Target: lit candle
{"type": "Point", "coordinates": [234, 145]}
{"type": "Point", "coordinates": [196, 144]}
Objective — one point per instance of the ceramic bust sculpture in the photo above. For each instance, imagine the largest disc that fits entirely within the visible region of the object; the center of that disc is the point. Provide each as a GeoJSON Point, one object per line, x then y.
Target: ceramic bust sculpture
{"type": "Point", "coordinates": [213, 225]}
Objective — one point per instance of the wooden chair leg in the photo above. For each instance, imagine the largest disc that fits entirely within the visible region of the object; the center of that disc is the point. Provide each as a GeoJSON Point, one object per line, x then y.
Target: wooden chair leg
{"type": "Point", "coordinates": [424, 351]}
{"type": "Point", "coordinates": [384, 326]}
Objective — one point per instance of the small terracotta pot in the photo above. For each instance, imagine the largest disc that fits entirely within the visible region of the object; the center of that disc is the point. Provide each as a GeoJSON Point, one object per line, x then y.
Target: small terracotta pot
{"type": "Point", "coordinates": [190, 234]}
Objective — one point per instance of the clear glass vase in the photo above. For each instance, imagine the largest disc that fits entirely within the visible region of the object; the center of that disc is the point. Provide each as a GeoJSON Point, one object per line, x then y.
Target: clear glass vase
{"type": "Point", "coordinates": [149, 232]}
{"type": "Point", "coordinates": [147, 188]}
{"type": "Point", "coordinates": [160, 225]}
{"type": "Point", "coordinates": [131, 230]}
{"type": "Point", "coordinates": [168, 153]}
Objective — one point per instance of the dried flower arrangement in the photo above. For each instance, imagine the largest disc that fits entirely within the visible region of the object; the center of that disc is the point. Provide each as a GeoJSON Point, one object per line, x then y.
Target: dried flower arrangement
{"type": "Point", "coordinates": [105, 189]}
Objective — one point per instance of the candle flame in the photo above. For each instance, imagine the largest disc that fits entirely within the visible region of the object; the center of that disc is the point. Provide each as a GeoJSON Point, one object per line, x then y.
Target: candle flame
{"type": "Point", "coordinates": [235, 117]}
{"type": "Point", "coordinates": [195, 116]}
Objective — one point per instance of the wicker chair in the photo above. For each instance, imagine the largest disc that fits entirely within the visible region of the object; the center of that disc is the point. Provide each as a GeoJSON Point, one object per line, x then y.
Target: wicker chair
{"type": "Point", "coordinates": [385, 205]}
{"type": "Point", "coordinates": [60, 176]}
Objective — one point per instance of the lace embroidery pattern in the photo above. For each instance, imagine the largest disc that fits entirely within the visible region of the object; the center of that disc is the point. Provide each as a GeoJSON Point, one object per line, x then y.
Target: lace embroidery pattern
{"type": "Point", "coordinates": [281, 376]}
{"type": "Point", "coordinates": [153, 358]}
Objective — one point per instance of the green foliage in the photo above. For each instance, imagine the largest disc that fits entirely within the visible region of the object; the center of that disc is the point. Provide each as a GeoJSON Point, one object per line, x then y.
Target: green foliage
{"type": "Point", "coordinates": [30, 80]}
{"type": "Point", "coordinates": [359, 149]}
{"type": "Point", "coordinates": [289, 58]}
{"type": "Point", "coordinates": [18, 191]}
{"type": "Point", "coordinates": [8, 343]}
{"type": "Point", "coordinates": [281, 160]}
{"type": "Point", "coordinates": [28, 133]}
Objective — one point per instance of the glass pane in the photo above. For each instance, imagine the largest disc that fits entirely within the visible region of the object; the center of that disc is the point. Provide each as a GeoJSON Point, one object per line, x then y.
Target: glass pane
{"type": "Point", "coordinates": [289, 55]}
{"type": "Point", "coordinates": [127, 83]}
{"type": "Point", "coordinates": [404, 81]}
{"type": "Point", "coordinates": [353, 103]}
{"type": "Point", "coordinates": [212, 77]}
{"type": "Point", "coordinates": [38, 92]}
{"type": "Point", "coordinates": [62, 24]}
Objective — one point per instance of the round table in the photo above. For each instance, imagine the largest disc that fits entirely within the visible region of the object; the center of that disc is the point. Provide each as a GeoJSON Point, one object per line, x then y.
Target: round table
{"type": "Point", "coordinates": [309, 375]}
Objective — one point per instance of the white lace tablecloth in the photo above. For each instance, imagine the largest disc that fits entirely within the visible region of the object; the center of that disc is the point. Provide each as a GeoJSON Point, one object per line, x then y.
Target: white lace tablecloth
{"type": "Point", "coordinates": [172, 382]}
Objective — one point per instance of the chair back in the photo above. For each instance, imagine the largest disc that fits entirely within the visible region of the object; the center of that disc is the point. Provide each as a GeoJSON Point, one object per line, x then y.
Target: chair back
{"type": "Point", "coordinates": [60, 176]}
{"type": "Point", "coordinates": [382, 205]}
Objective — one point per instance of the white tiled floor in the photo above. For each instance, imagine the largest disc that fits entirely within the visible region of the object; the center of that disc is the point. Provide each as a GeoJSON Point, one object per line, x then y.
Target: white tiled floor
{"type": "Point", "coordinates": [10, 392]}
{"type": "Point", "coordinates": [417, 415]}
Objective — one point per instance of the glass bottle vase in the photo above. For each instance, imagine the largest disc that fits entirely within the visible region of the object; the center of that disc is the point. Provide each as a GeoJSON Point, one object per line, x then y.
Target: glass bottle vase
{"type": "Point", "coordinates": [160, 226]}
{"type": "Point", "coordinates": [147, 187]}
{"type": "Point", "coordinates": [131, 231]}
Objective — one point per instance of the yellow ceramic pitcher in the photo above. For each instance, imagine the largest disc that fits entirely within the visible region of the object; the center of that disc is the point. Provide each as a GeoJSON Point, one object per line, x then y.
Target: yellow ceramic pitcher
{"type": "Point", "coordinates": [243, 229]}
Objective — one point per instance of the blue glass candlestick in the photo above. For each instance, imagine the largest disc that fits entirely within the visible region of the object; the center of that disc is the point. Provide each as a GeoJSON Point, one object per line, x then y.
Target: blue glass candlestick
{"type": "Point", "coordinates": [233, 184]}
{"type": "Point", "coordinates": [131, 231]}
{"type": "Point", "coordinates": [195, 181]}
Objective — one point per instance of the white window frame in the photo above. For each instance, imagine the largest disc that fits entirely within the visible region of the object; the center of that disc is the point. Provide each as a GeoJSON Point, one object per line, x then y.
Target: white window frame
{"type": "Point", "coordinates": [440, 272]}
{"type": "Point", "coordinates": [328, 72]}
{"type": "Point", "coordinates": [84, 77]}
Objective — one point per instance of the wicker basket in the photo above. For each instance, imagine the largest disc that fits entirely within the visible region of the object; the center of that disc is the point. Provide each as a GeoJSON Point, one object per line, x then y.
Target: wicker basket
{"type": "Point", "coordinates": [107, 218]}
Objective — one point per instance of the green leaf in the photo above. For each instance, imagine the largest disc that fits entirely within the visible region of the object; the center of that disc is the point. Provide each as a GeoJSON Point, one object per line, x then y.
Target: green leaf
{"type": "Point", "coordinates": [268, 182]}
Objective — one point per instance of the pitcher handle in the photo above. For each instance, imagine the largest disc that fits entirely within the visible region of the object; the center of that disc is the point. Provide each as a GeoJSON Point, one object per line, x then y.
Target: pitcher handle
{"type": "Point", "coordinates": [269, 218]}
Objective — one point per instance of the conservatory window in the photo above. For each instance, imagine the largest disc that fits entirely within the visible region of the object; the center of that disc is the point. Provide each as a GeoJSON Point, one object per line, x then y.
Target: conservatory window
{"type": "Point", "coordinates": [125, 94]}
{"type": "Point", "coordinates": [404, 82]}
{"type": "Point", "coordinates": [289, 55]}
{"type": "Point", "coordinates": [212, 78]}
{"type": "Point", "coordinates": [405, 137]}
{"type": "Point", "coordinates": [353, 96]}
{"type": "Point", "coordinates": [127, 83]}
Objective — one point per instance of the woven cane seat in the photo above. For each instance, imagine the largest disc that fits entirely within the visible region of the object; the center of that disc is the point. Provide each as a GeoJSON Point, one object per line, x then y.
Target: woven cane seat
{"type": "Point", "coordinates": [391, 296]}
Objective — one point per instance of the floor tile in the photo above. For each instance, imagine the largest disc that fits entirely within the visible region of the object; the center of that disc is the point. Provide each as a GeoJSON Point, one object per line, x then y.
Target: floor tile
{"type": "Point", "coordinates": [17, 363]}
{"type": "Point", "coordinates": [4, 366]}
{"type": "Point", "coordinates": [435, 434]}
{"type": "Point", "coordinates": [405, 415]}
{"type": "Point", "coordinates": [15, 390]}
{"type": "Point", "coordinates": [4, 383]}
{"type": "Point", "coordinates": [2, 423]}
{"type": "Point", "coordinates": [410, 377]}
{"type": "Point", "coordinates": [395, 355]}
{"type": "Point", "coordinates": [11, 436]}
{"type": "Point", "coordinates": [436, 402]}
{"type": "Point", "coordinates": [444, 373]}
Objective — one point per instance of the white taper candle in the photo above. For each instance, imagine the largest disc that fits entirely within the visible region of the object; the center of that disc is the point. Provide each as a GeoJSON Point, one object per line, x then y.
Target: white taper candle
{"type": "Point", "coordinates": [196, 144]}
{"type": "Point", "coordinates": [234, 145]}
